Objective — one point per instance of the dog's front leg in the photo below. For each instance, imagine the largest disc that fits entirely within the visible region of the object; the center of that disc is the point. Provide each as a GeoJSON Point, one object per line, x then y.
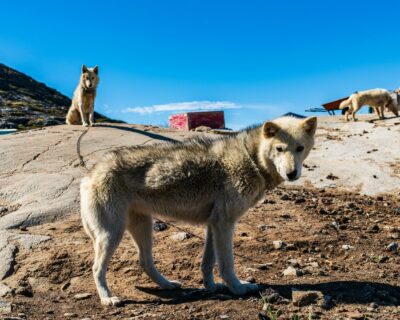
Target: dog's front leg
{"type": "Point", "coordinates": [208, 262]}
{"type": "Point", "coordinates": [91, 117]}
{"type": "Point", "coordinates": [222, 233]}
{"type": "Point", "coordinates": [83, 115]}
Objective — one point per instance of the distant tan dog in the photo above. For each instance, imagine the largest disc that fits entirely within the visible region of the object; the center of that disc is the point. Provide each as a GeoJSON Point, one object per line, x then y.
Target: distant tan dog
{"type": "Point", "coordinates": [378, 99]}
{"type": "Point", "coordinates": [82, 106]}
{"type": "Point", "coordinates": [202, 181]}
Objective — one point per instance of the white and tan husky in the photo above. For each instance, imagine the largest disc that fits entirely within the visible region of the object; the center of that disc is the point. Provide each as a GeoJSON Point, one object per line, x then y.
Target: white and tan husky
{"type": "Point", "coordinates": [204, 181]}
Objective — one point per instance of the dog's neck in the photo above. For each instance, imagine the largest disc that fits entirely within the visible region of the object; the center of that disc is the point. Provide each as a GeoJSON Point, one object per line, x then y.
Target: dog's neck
{"type": "Point", "coordinates": [267, 169]}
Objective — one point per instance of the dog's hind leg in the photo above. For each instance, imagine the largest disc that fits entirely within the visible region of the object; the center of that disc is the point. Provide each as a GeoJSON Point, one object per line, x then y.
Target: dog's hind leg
{"type": "Point", "coordinates": [208, 262]}
{"type": "Point", "coordinates": [105, 245]}
{"type": "Point", "coordinates": [222, 232]}
{"type": "Point", "coordinates": [72, 116]}
{"type": "Point", "coordinates": [105, 224]}
{"type": "Point", "coordinates": [140, 227]}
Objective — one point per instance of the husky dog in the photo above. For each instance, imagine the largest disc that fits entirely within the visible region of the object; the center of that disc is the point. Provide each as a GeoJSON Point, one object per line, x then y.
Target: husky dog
{"type": "Point", "coordinates": [203, 181]}
{"type": "Point", "coordinates": [82, 106]}
{"type": "Point", "coordinates": [378, 99]}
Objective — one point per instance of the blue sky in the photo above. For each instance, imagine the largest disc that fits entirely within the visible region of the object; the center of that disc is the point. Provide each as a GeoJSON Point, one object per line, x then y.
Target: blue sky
{"type": "Point", "coordinates": [255, 59]}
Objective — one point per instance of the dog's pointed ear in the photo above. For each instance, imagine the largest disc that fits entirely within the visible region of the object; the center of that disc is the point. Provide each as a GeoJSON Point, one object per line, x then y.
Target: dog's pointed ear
{"type": "Point", "coordinates": [96, 69]}
{"type": "Point", "coordinates": [270, 129]}
{"type": "Point", "coordinates": [84, 68]}
{"type": "Point", "coordinates": [310, 125]}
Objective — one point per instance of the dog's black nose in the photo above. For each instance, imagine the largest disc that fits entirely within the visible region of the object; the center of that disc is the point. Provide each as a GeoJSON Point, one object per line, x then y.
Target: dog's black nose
{"type": "Point", "coordinates": [292, 175]}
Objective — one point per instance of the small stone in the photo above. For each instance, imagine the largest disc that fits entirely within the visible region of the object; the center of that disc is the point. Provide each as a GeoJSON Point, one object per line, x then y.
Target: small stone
{"type": "Point", "coordinates": [5, 307]}
{"type": "Point", "coordinates": [347, 247]}
{"type": "Point", "coordinates": [70, 315]}
{"type": "Point", "coordinates": [294, 263]}
{"type": "Point", "coordinates": [264, 266]}
{"type": "Point", "coordinates": [279, 244]}
{"type": "Point", "coordinates": [82, 296]}
{"type": "Point", "coordinates": [356, 315]}
{"type": "Point", "coordinates": [180, 236]}
{"type": "Point", "coordinates": [397, 210]}
{"type": "Point", "coordinates": [4, 290]}
{"type": "Point", "coordinates": [326, 303]}
{"type": "Point", "coordinates": [224, 316]}
{"type": "Point", "coordinates": [305, 298]}
{"type": "Point", "coordinates": [292, 271]}
{"type": "Point", "coordinates": [391, 247]}
{"type": "Point", "coordinates": [373, 306]}
{"type": "Point", "coordinates": [250, 279]}
{"type": "Point", "coordinates": [262, 227]}
{"type": "Point", "coordinates": [374, 229]}
{"type": "Point", "coordinates": [160, 226]}
{"type": "Point", "coordinates": [285, 197]}
{"type": "Point", "coordinates": [382, 259]}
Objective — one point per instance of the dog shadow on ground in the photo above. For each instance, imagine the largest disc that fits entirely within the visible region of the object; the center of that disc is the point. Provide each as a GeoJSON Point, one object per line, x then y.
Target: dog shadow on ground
{"type": "Point", "coordinates": [385, 119]}
{"type": "Point", "coordinates": [341, 292]}
{"type": "Point", "coordinates": [151, 135]}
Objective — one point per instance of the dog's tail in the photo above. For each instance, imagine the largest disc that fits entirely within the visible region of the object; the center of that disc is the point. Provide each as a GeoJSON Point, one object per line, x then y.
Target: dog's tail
{"type": "Point", "coordinates": [345, 103]}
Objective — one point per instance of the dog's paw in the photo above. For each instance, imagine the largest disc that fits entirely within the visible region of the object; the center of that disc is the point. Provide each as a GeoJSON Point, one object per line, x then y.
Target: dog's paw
{"type": "Point", "coordinates": [171, 285]}
{"type": "Point", "coordinates": [244, 288]}
{"type": "Point", "coordinates": [214, 287]}
{"type": "Point", "coordinates": [111, 301]}
{"type": "Point", "coordinates": [85, 124]}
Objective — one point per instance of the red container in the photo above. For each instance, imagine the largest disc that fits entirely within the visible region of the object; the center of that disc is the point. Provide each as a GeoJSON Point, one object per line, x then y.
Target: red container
{"type": "Point", "coordinates": [192, 120]}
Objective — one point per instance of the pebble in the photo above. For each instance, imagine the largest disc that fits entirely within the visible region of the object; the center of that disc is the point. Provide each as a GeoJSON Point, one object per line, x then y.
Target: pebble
{"type": "Point", "coordinates": [347, 247]}
{"type": "Point", "coordinates": [279, 244]}
{"type": "Point", "coordinates": [4, 290]}
{"type": "Point", "coordinates": [70, 315]}
{"type": "Point", "coordinates": [355, 315]}
{"type": "Point", "coordinates": [224, 316]}
{"type": "Point", "coordinates": [392, 247]}
{"type": "Point", "coordinates": [305, 298]}
{"type": "Point", "coordinates": [5, 307]}
{"type": "Point", "coordinates": [159, 226]}
{"type": "Point", "coordinates": [180, 236]}
{"type": "Point", "coordinates": [291, 271]}
{"type": "Point", "coordinates": [374, 229]}
{"type": "Point", "coordinates": [294, 263]}
{"type": "Point", "coordinates": [82, 296]}
{"type": "Point", "coordinates": [264, 266]}
{"type": "Point", "coordinates": [263, 227]}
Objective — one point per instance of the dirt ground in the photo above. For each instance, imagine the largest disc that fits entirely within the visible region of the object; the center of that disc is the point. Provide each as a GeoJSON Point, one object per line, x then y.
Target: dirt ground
{"type": "Point", "coordinates": [338, 240]}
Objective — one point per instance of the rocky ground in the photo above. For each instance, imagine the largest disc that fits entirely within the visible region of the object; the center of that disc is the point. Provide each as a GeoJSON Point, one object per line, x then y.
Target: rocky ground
{"type": "Point", "coordinates": [319, 254]}
{"type": "Point", "coordinates": [321, 248]}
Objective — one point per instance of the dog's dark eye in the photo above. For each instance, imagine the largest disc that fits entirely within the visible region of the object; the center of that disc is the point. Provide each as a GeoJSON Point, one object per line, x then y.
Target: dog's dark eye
{"type": "Point", "coordinates": [279, 149]}
{"type": "Point", "coordinates": [299, 148]}
{"type": "Point", "coordinates": [92, 78]}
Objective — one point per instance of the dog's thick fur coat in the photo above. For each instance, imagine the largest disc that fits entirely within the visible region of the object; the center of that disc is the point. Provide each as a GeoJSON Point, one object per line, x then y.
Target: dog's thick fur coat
{"type": "Point", "coordinates": [203, 181]}
{"type": "Point", "coordinates": [82, 106]}
{"type": "Point", "coordinates": [378, 99]}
